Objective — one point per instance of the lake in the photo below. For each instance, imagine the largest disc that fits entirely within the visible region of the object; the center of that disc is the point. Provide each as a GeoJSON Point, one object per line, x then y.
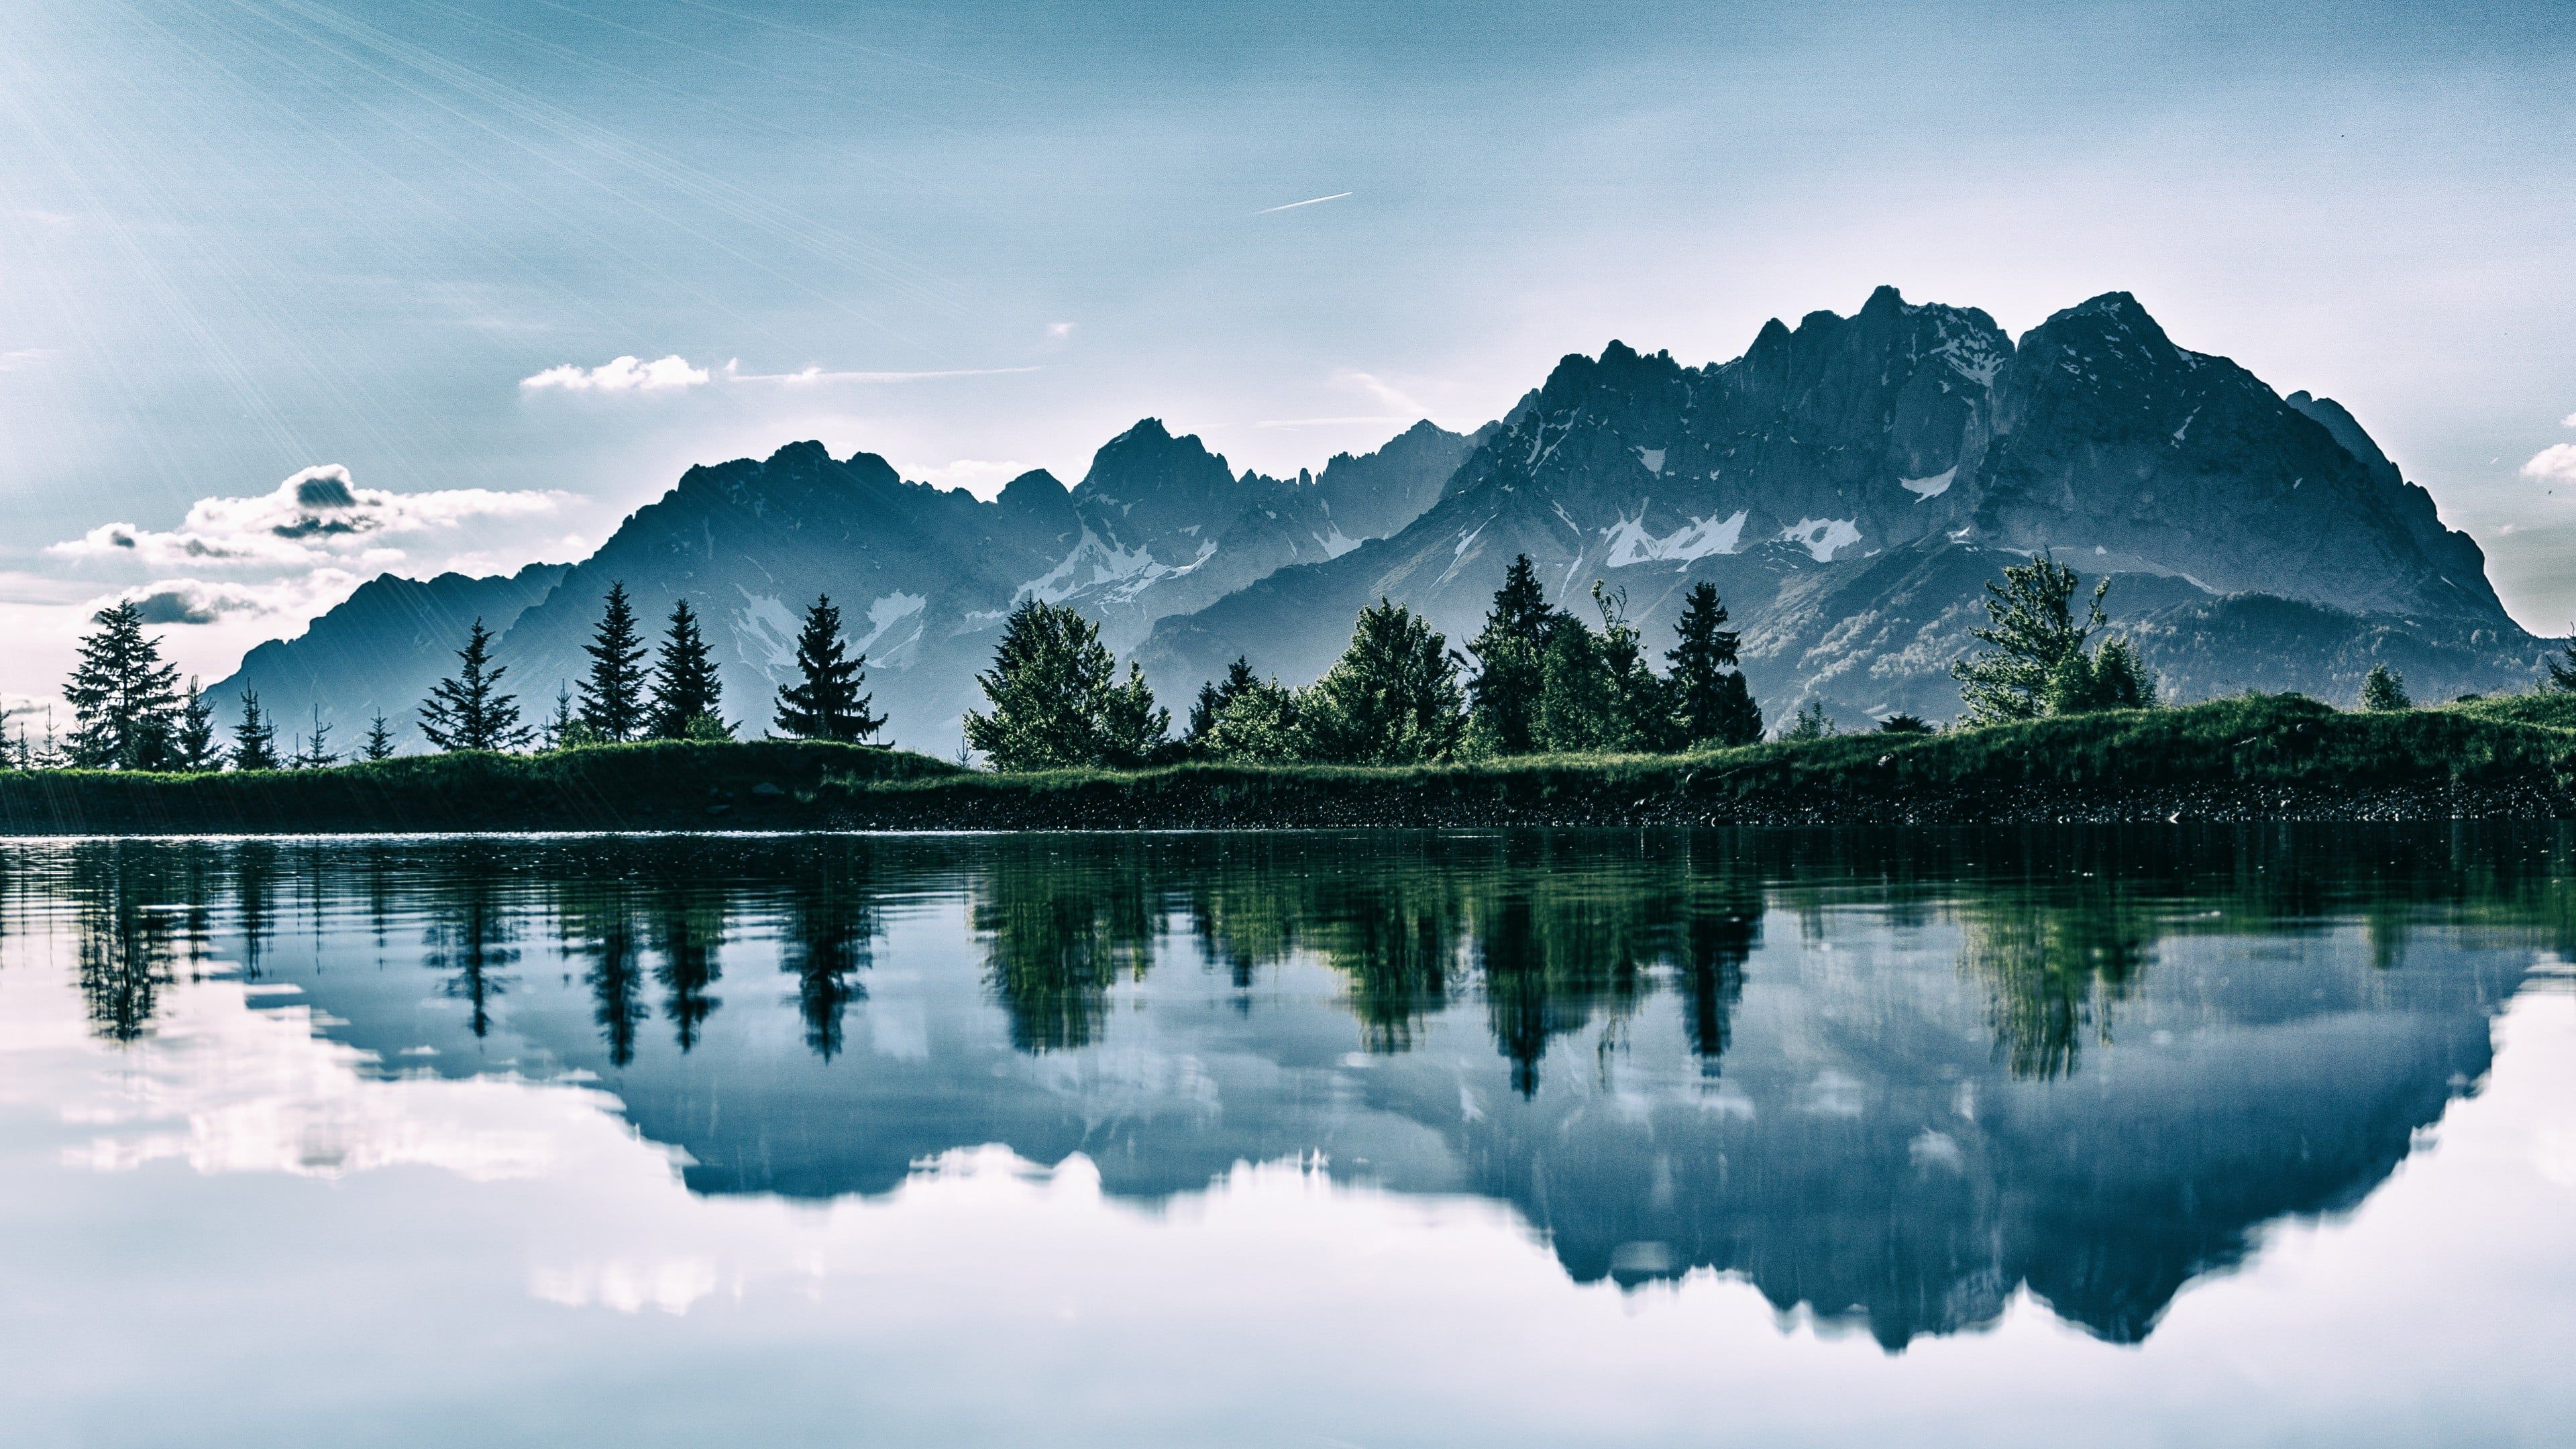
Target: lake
{"type": "Point", "coordinates": [2176, 1136]}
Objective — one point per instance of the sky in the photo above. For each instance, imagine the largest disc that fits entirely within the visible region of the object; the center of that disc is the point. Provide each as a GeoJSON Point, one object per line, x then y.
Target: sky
{"type": "Point", "coordinates": [499, 272]}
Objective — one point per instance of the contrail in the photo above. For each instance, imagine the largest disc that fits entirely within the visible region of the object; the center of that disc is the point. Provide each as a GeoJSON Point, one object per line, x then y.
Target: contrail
{"type": "Point", "coordinates": [1310, 201]}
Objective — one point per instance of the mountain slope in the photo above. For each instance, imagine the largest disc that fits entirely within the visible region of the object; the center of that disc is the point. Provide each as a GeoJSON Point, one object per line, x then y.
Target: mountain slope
{"type": "Point", "coordinates": [1851, 484]}
{"type": "Point", "coordinates": [381, 650]}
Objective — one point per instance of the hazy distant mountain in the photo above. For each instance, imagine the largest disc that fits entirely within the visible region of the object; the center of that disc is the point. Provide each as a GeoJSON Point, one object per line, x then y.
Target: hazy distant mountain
{"type": "Point", "coordinates": [1850, 485]}
{"type": "Point", "coordinates": [382, 650]}
{"type": "Point", "coordinates": [924, 576]}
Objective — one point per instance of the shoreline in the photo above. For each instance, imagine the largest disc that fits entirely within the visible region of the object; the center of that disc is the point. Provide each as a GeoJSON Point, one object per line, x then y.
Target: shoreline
{"type": "Point", "coordinates": [2246, 760]}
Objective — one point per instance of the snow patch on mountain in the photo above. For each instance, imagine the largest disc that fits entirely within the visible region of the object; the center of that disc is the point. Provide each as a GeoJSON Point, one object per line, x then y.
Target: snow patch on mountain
{"type": "Point", "coordinates": [1653, 458]}
{"type": "Point", "coordinates": [1932, 487]}
{"type": "Point", "coordinates": [886, 611]}
{"type": "Point", "coordinates": [1630, 543]}
{"type": "Point", "coordinates": [1822, 537]}
{"type": "Point", "coordinates": [766, 630]}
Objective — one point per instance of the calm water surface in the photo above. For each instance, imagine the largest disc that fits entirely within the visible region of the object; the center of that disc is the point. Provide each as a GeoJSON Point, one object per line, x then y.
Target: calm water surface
{"type": "Point", "coordinates": [2150, 1137]}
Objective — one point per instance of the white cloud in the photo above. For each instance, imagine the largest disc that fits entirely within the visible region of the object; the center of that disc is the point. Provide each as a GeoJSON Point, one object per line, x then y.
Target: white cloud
{"type": "Point", "coordinates": [817, 374]}
{"type": "Point", "coordinates": [318, 514]}
{"type": "Point", "coordinates": [18, 359]}
{"type": "Point", "coordinates": [203, 601]}
{"type": "Point", "coordinates": [621, 374]}
{"type": "Point", "coordinates": [2555, 463]}
{"type": "Point", "coordinates": [2568, 421]}
{"type": "Point", "coordinates": [1351, 421]}
{"type": "Point", "coordinates": [1062, 330]}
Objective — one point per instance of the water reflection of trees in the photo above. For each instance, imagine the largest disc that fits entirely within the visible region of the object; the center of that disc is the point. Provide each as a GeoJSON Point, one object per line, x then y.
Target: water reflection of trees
{"type": "Point", "coordinates": [1543, 934]}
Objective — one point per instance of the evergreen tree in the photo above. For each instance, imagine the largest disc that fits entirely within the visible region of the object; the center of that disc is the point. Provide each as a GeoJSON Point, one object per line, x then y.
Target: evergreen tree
{"type": "Point", "coordinates": [1257, 723]}
{"type": "Point", "coordinates": [193, 745]}
{"type": "Point", "coordinates": [124, 699]}
{"type": "Point", "coordinates": [1511, 666]}
{"type": "Point", "coordinates": [1576, 692]}
{"type": "Point", "coordinates": [612, 695]}
{"type": "Point", "coordinates": [2383, 691]}
{"type": "Point", "coordinates": [559, 726]}
{"type": "Point", "coordinates": [1711, 704]}
{"type": "Point", "coordinates": [468, 711]}
{"type": "Point", "coordinates": [1214, 698]}
{"type": "Point", "coordinates": [1134, 730]}
{"type": "Point", "coordinates": [312, 754]}
{"type": "Point", "coordinates": [685, 688]}
{"type": "Point", "coordinates": [826, 702]}
{"type": "Point", "coordinates": [255, 738]}
{"type": "Point", "coordinates": [379, 743]}
{"type": "Point", "coordinates": [2562, 665]}
{"type": "Point", "coordinates": [1642, 715]}
{"type": "Point", "coordinates": [2038, 664]}
{"type": "Point", "coordinates": [1056, 700]}
{"type": "Point", "coordinates": [1392, 698]}
{"type": "Point", "coordinates": [1812, 723]}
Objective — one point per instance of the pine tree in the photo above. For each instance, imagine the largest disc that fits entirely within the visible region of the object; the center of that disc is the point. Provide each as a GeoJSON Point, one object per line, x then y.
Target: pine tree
{"type": "Point", "coordinates": [1214, 698]}
{"type": "Point", "coordinates": [312, 755]}
{"type": "Point", "coordinates": [255, 738]}
{"type": "Point", "coordinates": [687, 696]}
{"type": "Point", "coordinates": [1812, 723]}
{"type": "Point", "coordinates": [2562, 665]}
{"type": "Point", "coordinates": [612, 696]}
{"type": "Point", "coordinates": [1511, 668]}
{"type": "Point", "coordinates": [468, 711]}
{"type": "Point", "coordinates": [2383, 691]}
{"type": "Point", "coordinates": [124, 699]}
{"type": "Point", "coordinates": [2038, 664]}
{"type": "Point", "coordinates": [1711, 704]}
{"type": "Point", "coordinates": [1134, 730]}
{"type": "Point", "coordinates": [1392, 698]}
{"type": "Point", "coordinates": [1056, 699]}
{"type": "Point", "coordinates": [826, 703]}
{"type": "Point", "coordinates": [379, 743]}
{"type": "Point", "coordinates": [193, 746]}
{"type": "Point", "coordinates": [1641, 714]}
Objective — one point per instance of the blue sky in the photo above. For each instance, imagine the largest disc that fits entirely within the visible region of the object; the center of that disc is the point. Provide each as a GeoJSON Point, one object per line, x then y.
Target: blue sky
{"type": "Point", "coordinates": [243, 240]}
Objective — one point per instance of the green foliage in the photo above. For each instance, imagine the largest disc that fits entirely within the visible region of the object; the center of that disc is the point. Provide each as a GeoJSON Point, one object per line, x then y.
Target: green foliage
{"type": "Point", "coordinates": [1505, 697]}
{"type": "Point", "coordinates": [255, 738]}
{"type": "Point", "coordinates": [1056, 699]}
{"type": "Point", "coordinates": [467, 710]}
{"type": "Point", "coordinates": [1391, 699]}
{"type": "Point", "coordinates": [1905, 724]}
{"type": "Point", "coordinates": [685, 687]}
{"type": "Point", "coordinates": [124, 698]}
{"type": "Point", "coordinates": [314, 752]}
{"type": "Point", "coordinates": [826, 702]}
{"type": "Point", "coordinates": [2383, 690]}
{"type": "Point", "coordinates": [706, 729]}
{"type": "Point", "coordinates": [379, 743]}
{"type": "Point", "coordinates": [193, 748]}
{"type": "Point", "coordinates": [612, 694]}
{"type": "Point", "coordinates": [2037, 664]}
{"type": "Point", "coordinates": [1811, 723]}
{"type": "Point", "coordinates": [2562, 666]}
{"type": "Point", "coordinates": [1711, 703]}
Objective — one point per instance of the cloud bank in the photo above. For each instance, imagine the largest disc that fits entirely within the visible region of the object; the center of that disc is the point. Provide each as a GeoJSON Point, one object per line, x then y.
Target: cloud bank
{"type": "Point", "coordinates": [2555, 464]}
{"type": "Point", "coordinates": [620, 374]}
{"type": "Point", "coordinates": [318, 514]}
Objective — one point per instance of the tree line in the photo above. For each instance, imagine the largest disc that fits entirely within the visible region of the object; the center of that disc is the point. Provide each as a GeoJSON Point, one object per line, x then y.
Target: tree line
{"type": "Point", "coordinates": [129, 712]}
{"type": "Point", "coordinates": [1537, 678]}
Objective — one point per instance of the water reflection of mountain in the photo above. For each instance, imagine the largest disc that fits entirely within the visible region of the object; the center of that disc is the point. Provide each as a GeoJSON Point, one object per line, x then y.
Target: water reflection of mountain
{"type": "Point", "coordinates": [1884, 1075]}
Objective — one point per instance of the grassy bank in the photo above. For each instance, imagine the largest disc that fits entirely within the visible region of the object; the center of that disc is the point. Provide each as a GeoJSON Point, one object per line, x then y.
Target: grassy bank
{"type": "Point", "coordinates": [2253, 758]}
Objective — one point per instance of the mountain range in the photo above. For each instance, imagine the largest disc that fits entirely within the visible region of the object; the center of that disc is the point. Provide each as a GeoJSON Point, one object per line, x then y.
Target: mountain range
{"type": "Point", "coordinates": [1849, 484]}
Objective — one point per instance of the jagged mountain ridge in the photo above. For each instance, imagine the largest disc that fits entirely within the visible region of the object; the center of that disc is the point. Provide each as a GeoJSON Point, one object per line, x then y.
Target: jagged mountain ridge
{"type": "Point", "coordinates": [924, 576]}
{"type": "Point", "coordinates": [1850, 485]}
{"type": "Point", "coordinates": [382, 649]}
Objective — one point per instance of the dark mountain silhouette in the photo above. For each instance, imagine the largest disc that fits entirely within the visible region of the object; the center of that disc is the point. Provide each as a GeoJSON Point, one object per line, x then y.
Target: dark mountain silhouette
{"type": "Point", "coordinates": [1850, 485]}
